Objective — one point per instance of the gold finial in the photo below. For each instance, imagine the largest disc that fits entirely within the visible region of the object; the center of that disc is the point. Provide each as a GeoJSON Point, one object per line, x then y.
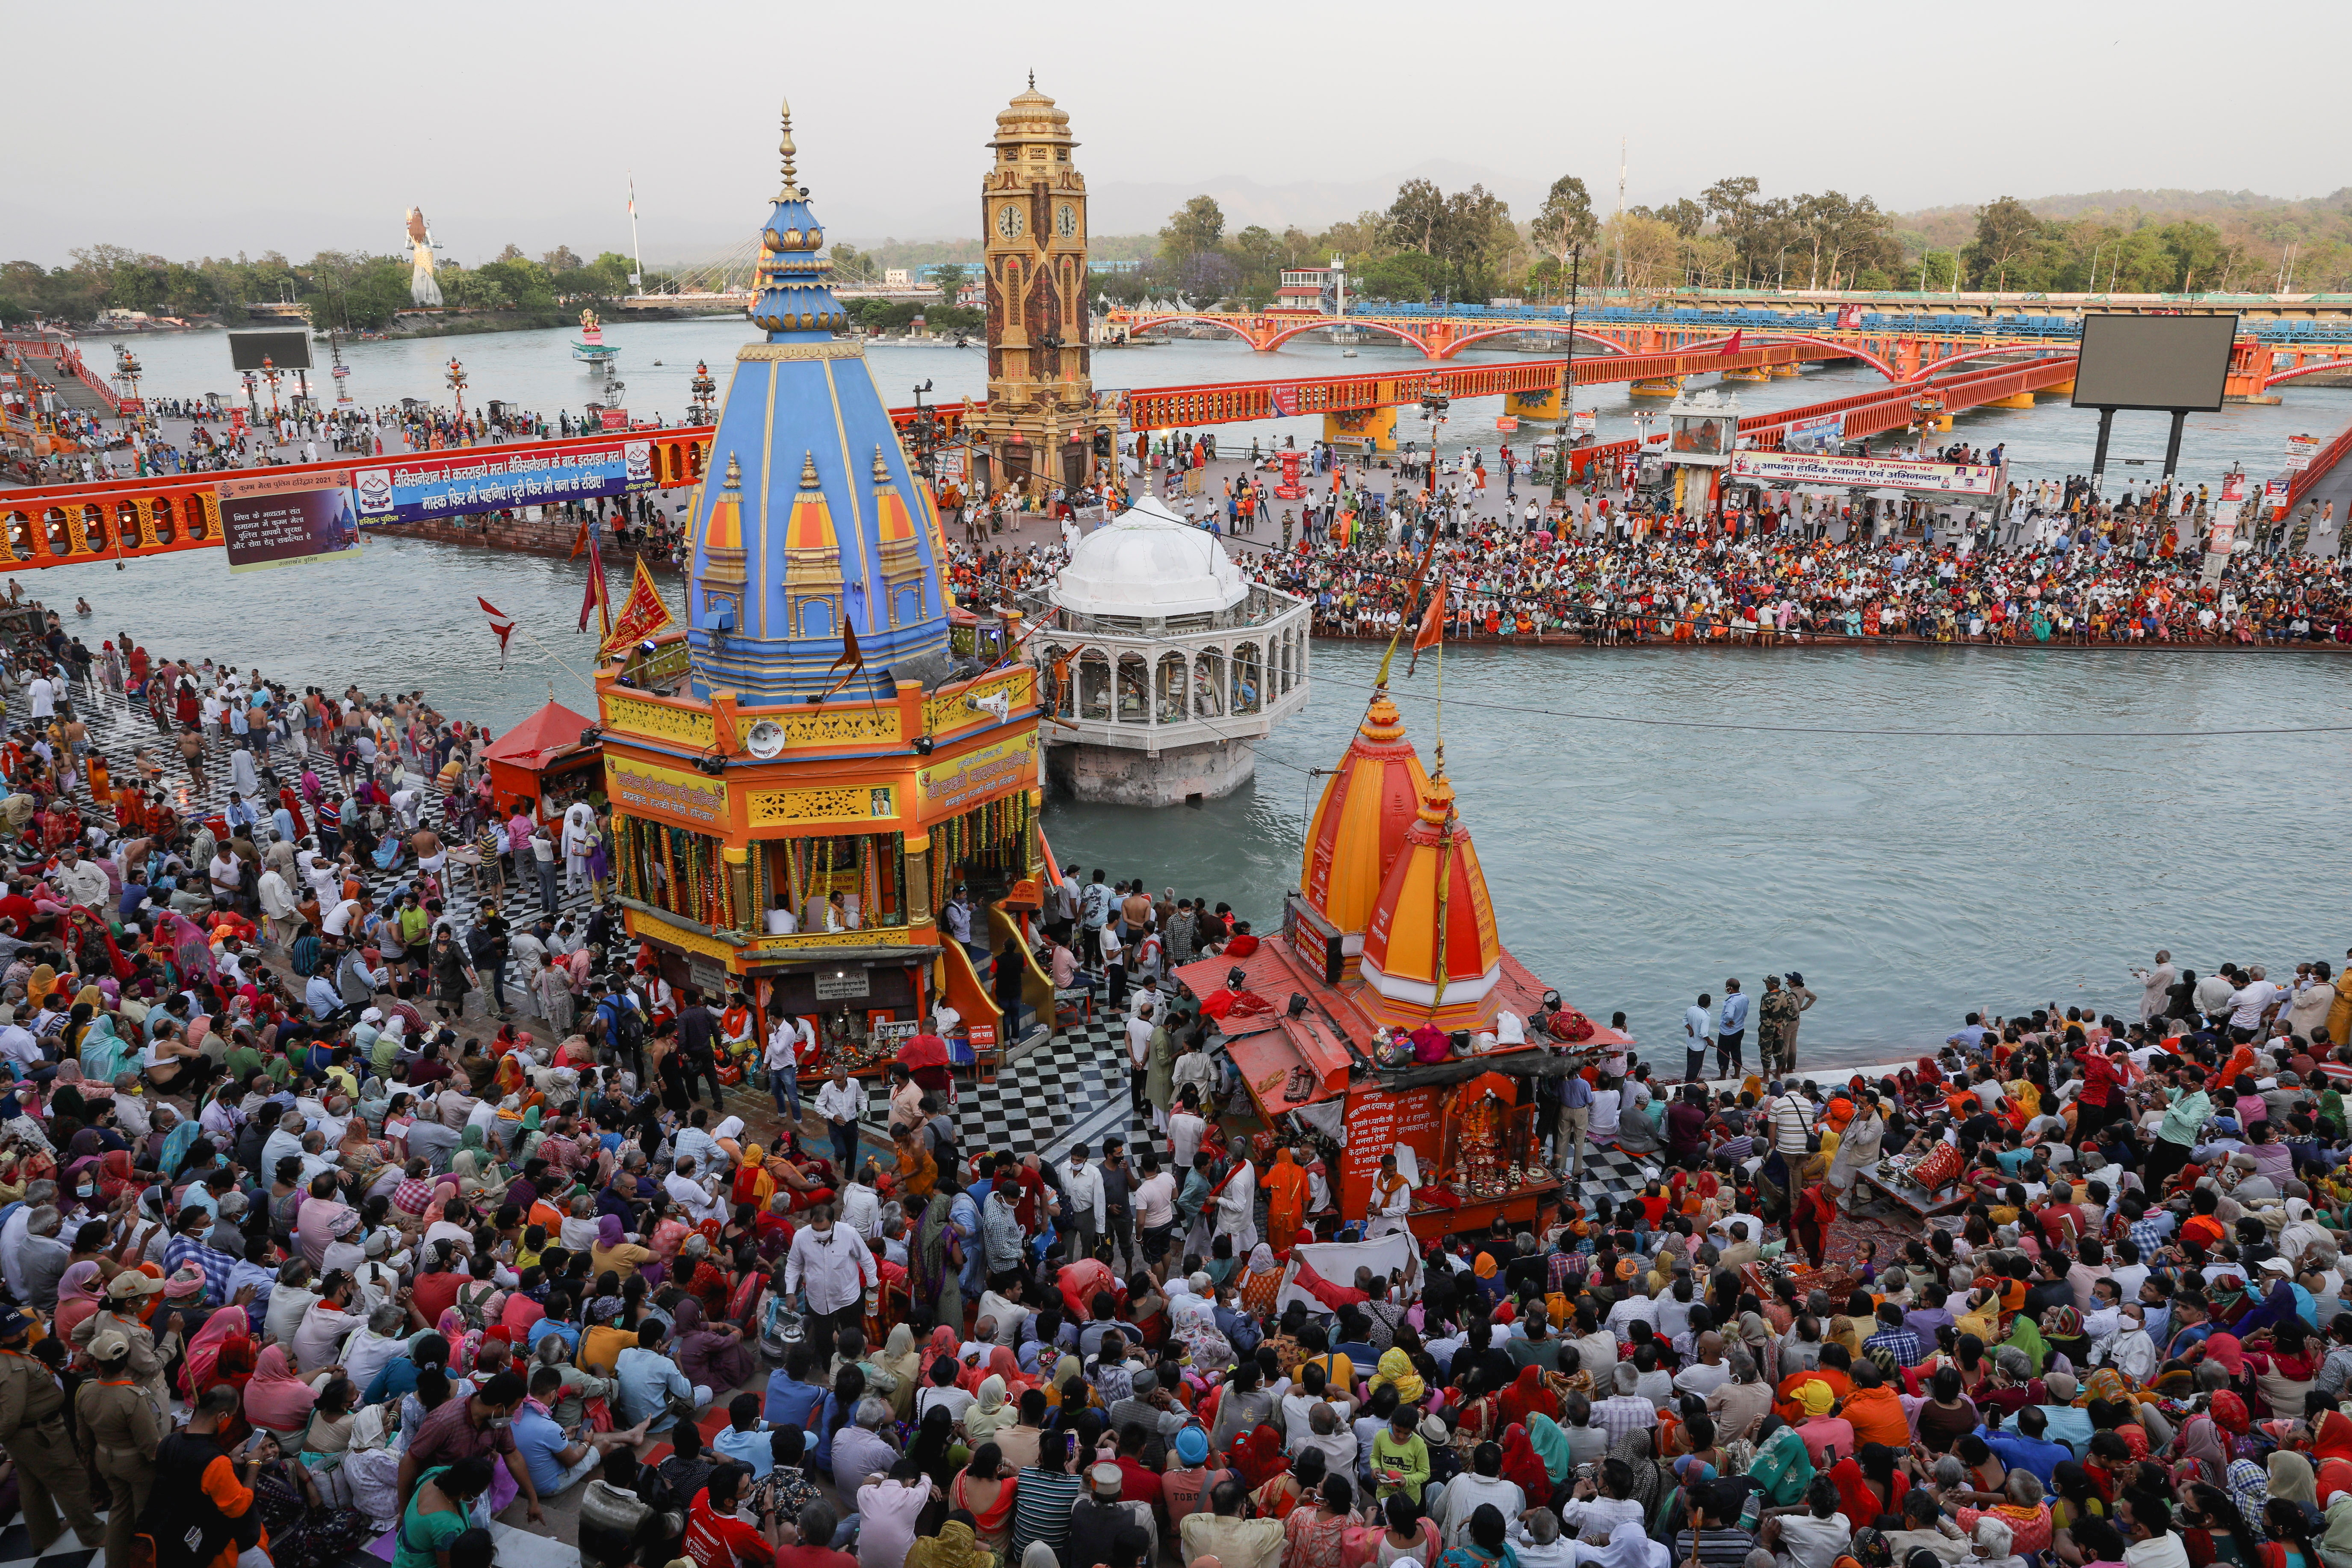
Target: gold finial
{"type": "Point", "coordinates": [809, 480]}
{"type": "Point", "coordinates": [881, 470]}
{"type": "Point", "coordinates": [792, 187]}
{"type": "Point", "coordinates": [1033, 78]}
{"type": "Point", "coordinates": [734, 473]}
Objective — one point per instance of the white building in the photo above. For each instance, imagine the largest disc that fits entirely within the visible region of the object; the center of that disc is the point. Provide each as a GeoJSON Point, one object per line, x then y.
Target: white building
{"type": "Point", "coordinates": [1164, 664]}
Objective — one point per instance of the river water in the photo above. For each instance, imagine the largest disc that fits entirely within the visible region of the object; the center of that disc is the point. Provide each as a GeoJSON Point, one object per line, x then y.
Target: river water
{"type": "Point", "coordinates": [1909, 878]}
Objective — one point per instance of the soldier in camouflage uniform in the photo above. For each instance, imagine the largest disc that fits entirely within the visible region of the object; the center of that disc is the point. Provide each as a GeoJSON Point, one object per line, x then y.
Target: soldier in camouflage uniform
{"type": "Point", "coordinates": [1776, 1021]}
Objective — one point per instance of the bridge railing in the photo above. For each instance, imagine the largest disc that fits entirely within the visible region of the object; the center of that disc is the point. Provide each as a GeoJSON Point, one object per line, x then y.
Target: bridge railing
{"type": "Point", "coordinates": [2323, 463]}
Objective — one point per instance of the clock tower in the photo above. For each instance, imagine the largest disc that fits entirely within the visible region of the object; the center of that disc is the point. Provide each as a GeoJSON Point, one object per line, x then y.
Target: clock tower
{"type": "Point", "coordinates": [1040, 421]}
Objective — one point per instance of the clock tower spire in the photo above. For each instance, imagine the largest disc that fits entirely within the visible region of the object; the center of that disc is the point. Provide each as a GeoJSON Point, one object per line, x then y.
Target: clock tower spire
{"type": "Point", "coordinates": [1041, 417]}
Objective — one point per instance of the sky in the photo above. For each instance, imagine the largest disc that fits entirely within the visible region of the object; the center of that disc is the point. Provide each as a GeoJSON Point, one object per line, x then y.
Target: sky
{"type": "Point", "coordinates": [299, 129]}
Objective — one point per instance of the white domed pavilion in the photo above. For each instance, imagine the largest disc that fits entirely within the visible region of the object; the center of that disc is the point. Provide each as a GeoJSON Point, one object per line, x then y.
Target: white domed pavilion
{"type": "Point", "coordinates": [1164, 663]}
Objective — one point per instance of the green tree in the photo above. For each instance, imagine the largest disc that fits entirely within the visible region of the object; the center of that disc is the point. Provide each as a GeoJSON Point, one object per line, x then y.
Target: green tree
{"type": "Point", "coordinates": [1407, 278]}
{"type": "Point", "coordinates": [1199, 225]}
{"type": "Point", "coordinates": [1416, 220]}
{"type": "Point", "coordinates": [1684, 216]}
{"type": "Point", "coordinates": [1732, 204]}
{"type": "Point", "coordinates": [1566, 222]}
{"type": "Point", "coordinates": [560, 261]}
{"type": "Point", "coordinates": [949, 277]}
{"type": "Point", "coordinates": [2006, 229]}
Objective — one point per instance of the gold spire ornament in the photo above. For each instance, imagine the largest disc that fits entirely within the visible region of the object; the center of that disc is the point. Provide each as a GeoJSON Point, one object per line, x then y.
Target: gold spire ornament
{"type": "Point", "coordinates": [792, 190]}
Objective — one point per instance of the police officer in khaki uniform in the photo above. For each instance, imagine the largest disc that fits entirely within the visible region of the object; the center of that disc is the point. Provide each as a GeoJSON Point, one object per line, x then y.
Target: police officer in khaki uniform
{"type": "Point", "coordinates": [33, 1431]}
{"type": "Point", "coordinates": [117, 1432]}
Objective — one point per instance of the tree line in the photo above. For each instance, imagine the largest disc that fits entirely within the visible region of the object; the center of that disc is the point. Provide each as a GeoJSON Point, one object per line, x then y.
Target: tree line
{"type": "Point", "coordinates": [346, 290]}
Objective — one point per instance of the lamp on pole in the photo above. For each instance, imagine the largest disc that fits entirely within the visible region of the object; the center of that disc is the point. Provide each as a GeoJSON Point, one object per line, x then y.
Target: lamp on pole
{"type": "Point", "coordinates": [1568, 377]}
{"type": "Point", "coordinates": [456, 379]}
{"type": "Point", "coordinates": [697, 412]}
{"type": "Point", "coordinates": [271, 374]}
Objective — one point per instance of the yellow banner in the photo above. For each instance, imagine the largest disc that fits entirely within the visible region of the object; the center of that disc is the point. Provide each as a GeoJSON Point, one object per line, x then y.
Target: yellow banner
{"type": "Point", "coordinates": [955, 786]}
{"type": "Point", "coordinates": [691, 800]}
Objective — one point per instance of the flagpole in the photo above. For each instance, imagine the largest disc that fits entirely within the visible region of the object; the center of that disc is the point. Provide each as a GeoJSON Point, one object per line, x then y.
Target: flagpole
{"type": "Point", "coordinates": [552, 654]}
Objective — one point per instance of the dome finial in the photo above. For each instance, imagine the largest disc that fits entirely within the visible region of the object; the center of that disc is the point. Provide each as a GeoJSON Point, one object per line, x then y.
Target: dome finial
{"type": "Point", "coordinates": [809, 480]}
{"type": "Point", "coordinates": [734, 473]}
{"type": "Point", "coordinates": [785, 148]}
{"type": "Point", "coordinates": [1033, 78]}
{"type": "Point", "coordinates": [881, 470]}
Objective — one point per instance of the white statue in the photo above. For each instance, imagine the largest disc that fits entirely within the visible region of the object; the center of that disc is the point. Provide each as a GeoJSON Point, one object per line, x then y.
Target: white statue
{"type": "Point", "coordinates": [421, 286]}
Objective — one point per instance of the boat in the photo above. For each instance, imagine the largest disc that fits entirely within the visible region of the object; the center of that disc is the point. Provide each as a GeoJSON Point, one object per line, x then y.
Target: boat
{"type": "Point", "coordinates": [592, 349]}
{"type": "Point", "coordinates": [1346, 354]}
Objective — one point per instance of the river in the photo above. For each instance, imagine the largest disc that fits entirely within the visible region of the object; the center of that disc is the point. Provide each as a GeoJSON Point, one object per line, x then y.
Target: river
{"type": "Point", "coordinates": [1910, 879]}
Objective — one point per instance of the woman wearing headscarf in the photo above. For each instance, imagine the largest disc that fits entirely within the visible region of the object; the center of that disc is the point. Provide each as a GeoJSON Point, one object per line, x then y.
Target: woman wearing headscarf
{"type": "Point", "coordinates": [78, 1297]}
{"type": "Point", "coordinates": [711, 1357]}
{"type": "Point", "coordinates": [1526, 1398]}
{"type": "Point", "coordinates": [1550, 1441]}
{"type": "Point", "coordinates": [614, 1251]}
{"type": "Point", "coordinates": [276, 1400]}
{"type": "Point", "coordinates": [988, 1410]}
{"type": "Point", "coordinates": [1524, 1467]}
{"type": "Point", "coordinates": [933, 1276]}
{"type": "Point", "coordinates": [2291, 1479]}
{"type": "Point", "coordinates": [1263, 1281]}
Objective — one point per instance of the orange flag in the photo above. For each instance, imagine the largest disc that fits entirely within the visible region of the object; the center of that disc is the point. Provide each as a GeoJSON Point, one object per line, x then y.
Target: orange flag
{"type": "Point", "coordinates": [643, 613]}
{"type": "Point", "coordinates": [1433, 626]}
{"type": "Point", "coordinates": [850, 657]}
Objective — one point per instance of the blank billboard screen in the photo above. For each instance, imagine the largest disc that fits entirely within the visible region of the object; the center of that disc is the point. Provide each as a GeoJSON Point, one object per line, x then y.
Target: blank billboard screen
{"type": "Point", "coordinates": [288, 350]}
{"type": "Point", "coordinates": [2154, 362]}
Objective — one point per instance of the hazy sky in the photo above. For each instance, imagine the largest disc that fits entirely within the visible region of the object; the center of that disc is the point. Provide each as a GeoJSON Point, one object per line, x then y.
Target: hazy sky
{"type": "Point", "coordinates": [247, 127]}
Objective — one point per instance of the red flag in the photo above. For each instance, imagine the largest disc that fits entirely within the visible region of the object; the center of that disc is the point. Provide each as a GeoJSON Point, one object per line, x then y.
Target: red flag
{"type": "Point", "coordinates": [501, 623]}
{"type": "Point", "coordinates": [594, 599]}
{"type": "Point", "coordinates": [579, 542]}
{"type": "Point", "coordinates": [1433, 626]}
{"type": "Point", "coordinates": [1732, 346]}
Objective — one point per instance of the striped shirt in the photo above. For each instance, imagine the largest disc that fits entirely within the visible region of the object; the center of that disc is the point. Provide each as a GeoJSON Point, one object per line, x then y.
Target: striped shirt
{"type": "Point", "coordinates": [1040, 1510]}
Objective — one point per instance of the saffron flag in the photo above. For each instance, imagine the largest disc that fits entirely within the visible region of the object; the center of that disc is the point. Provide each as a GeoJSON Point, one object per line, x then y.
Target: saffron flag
{"type": "Point", "coordinates": [594, 595]}
{"type": "Point", "coordinates": [850, 656]}
{"type": "Point", "coordinates": [643, 613]}
{"type": "Point", "coordinates": [502, 624]}
{"type": "Point", "coordinates": [1433, 626]}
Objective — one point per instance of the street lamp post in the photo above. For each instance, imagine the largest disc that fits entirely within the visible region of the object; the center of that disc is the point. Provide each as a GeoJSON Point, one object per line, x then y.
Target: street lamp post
{"type": "Point", "coordinates": [703, 387]}
{"type": "Point", "coordinates": [1568, 377]}
{"type": "Point", "coordinates": [456, 379]}
{"type": "Point", "coordinates": [271, 374]}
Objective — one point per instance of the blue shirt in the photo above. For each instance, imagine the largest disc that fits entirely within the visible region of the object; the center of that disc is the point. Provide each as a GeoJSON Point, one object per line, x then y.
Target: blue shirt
{"type": "Point", "coordinates": [540, 1442]}
{"type": "Point", "coordinates": [790, 1403]}
{"type": "Point", "coordinates": [546, 1327]}
{"type": "Point", "coordinates": [2019, 1452]}
{"type": "Point", "coordinates": [2069, 1425]}
{"type": "Point", "coordinates": [1578, 1095]}
{"type": "Point", "coordinates": [647, 1378]}
{"type": "Point", "coordinates": [1735, 1012]}
{"type": "Point", "coordinates": [752, 1448]}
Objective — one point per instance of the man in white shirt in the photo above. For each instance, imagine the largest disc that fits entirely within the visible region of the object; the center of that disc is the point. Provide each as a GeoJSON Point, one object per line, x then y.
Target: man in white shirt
{"type": "Point", "coordinates": [689, 1194]}
{"type": "Point", "coordinates": [1082, 1191]}
{"type": "Point", "coordinates": [16, 1042]}
{"type": "Point", "coordinates": [830, 1268]}
{"type": "Point", "coordinates": [1155, 1206]}
{"type": "Point", "coordinates": [84, 881]}
{"type": "Point", "coordinates": [2248, 1003]}
{"type": "Point", "coordinates": [841, 1103]}
{"type": "Point", "coordinates": [1138, 1054]}
{"type": "Point", "coordinates": [783, 1064]}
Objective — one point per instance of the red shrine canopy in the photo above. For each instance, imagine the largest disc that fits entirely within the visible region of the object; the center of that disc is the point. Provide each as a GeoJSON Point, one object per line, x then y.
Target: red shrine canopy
{"type": "Point", "coordinates": [524, 760]}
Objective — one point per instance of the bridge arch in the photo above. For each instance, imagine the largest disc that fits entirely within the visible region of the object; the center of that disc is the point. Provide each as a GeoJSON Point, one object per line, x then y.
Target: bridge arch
{"type": "Point", "coordinates": [1142, 325]}
{"type": "Point", "coordinates": [1939, 366]}
{"type": "Point", "coordinates": [1458, 344]}
{"type": "Point", "coordinates": [1844, 351]}
{"type": "Point", "coordinates": [1287, 334]}
{"type": "Point", "coordinates": [2316, 367]}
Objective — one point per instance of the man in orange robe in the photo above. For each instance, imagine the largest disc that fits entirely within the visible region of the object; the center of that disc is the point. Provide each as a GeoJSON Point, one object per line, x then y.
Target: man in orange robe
{"type": "Point", "coordinates": [1285, 1187]}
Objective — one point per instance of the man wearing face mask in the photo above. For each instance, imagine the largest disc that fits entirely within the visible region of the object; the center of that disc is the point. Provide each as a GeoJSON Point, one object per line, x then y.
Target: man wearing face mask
{"type": "Point", "coordinates": [478, 1426]}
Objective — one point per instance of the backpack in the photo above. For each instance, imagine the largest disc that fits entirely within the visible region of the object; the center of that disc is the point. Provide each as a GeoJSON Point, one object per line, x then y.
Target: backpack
{"type": "Point", "coordinates": [471, 1302]}
{"type": "Point", "coordinates": [624, 1025]}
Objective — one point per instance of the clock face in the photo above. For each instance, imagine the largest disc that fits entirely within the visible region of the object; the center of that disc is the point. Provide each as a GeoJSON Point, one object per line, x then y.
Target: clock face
{"type": "Point", "coordinates": [1008, 220]}
{"type": "Point", "coordinates": [1066, 220]}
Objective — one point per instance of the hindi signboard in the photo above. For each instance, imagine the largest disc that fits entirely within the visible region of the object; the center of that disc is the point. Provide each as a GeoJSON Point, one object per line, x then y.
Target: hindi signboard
{"type": "Point", "coordinates": [954, 786]}
{"type": "Point", "coordinates": [2299, 450]}
{"type": "Point", "coordinates": [1820, 435]}
{"type": "Point", "coordinates": [1583, 423]}
{"type": "Point", "coordinates": [483, 478]}
{"type": "Point", "coordinates": [1783, 469]}
{"type": "Point", "coordinates": [286, 520]}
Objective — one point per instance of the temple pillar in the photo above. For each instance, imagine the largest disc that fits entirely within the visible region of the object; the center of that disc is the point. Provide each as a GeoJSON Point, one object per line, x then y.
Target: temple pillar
{"type": "Point", "coordinates": [738, 885]}
{"type": "Point", "coordinates": [919, 880]}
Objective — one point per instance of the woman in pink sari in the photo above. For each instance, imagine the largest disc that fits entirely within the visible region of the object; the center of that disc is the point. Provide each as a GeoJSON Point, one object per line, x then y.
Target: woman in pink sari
{"type": "Point", "coordinates": [276, 1399]}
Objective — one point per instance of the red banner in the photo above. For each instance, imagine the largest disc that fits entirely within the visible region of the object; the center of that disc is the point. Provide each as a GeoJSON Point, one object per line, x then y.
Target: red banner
{"type": "Point", "coordinates": [1286, 397]}
{"type": "Point", "coordinates": [614, 418]}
